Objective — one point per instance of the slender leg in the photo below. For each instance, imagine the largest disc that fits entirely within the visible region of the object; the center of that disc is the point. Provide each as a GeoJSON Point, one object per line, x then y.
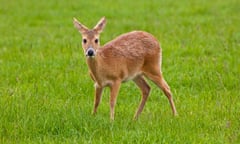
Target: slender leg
{"type": "Point", "coordinates": [114, 88]}
{"type": "Point", "coordinates": [161, 83]}
{"type": "Point", "coordinates": [98, 95]}
{"type": "Point", "coordinates": [145, 88]}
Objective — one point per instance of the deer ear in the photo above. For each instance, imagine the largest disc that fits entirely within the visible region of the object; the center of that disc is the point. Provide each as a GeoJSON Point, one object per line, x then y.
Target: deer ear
{"type": "Point", "coordinates": [81, 28]}
{"type": "Point", "coordinates": [100, 25]}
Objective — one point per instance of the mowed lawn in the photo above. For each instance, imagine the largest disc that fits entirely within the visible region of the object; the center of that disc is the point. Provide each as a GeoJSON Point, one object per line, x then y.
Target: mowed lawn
{"type": "Point", "coordinates": [46, 94]}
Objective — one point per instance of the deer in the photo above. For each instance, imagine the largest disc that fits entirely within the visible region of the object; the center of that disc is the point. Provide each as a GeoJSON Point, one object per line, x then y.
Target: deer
{"type": "Point", "coordinates": [135, 56]}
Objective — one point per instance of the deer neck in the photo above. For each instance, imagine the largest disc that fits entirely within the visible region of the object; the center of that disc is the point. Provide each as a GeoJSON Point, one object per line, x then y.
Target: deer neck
{"type": "Point", "coordinates": [92, 63]}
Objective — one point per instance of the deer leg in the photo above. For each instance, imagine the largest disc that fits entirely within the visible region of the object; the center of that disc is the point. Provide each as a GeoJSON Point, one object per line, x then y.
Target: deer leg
{"type": "Point", "coordinates": [98, 95]}
{"type": "Point", "coordinates": [145, 88]}
{"type": "Point", "coordinates": [161, 83]}
{"type": "Point", "coordinates": [114, 89]}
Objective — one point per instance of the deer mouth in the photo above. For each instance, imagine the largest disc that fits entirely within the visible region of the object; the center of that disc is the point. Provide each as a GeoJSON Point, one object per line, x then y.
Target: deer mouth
{"type": "Point", "coordinates": [90, 52]}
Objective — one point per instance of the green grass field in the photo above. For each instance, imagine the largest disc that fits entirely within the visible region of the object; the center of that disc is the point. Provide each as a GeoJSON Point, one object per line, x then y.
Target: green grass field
{"type": "Point", "coordinates": [46, 94]}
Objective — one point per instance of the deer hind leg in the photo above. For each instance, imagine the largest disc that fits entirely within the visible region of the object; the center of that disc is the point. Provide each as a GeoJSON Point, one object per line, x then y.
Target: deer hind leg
{"type": "Point", "coordinates": [161, 83]}
{"type": "Point", "coordinates": [145, 88]}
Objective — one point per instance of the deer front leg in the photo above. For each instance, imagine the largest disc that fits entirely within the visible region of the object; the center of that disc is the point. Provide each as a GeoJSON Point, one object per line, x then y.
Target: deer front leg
{"type": "Point", "coordinates": [114, 88]}
{"type": "Point", "coordinates": [98, 95]}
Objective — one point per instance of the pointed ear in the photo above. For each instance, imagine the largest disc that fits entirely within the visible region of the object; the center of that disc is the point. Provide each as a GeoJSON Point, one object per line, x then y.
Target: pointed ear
{"type": "Point", "coordinates": [100, 25]}
{"type": "Point", "coordinates": [81, 28]}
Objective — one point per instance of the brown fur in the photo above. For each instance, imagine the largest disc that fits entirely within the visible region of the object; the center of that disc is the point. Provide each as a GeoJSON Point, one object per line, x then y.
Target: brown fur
{"type": "Point", "coordinates": [130, 56]}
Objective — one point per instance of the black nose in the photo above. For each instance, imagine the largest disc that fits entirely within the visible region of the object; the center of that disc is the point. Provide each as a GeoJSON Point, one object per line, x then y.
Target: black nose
{"type": "Point", "coordinates": [90, 52]}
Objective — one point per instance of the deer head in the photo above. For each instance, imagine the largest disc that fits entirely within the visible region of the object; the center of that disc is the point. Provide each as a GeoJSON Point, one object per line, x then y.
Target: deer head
{"type": "Point", "coordinates": [90, 37]}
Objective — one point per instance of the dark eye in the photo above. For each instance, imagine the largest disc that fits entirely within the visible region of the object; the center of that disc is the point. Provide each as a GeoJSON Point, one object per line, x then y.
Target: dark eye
{"type": "Point", "coordinates": [96, 40]}
{"type": "Point", "coordinates": [84, 41]}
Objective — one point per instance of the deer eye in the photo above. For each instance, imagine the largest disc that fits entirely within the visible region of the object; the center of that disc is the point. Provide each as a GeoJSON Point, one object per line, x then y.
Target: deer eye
{"type": "Point", "coordinates": [84, 41]}
{"type": "Point", "coordinates": [96, 41]}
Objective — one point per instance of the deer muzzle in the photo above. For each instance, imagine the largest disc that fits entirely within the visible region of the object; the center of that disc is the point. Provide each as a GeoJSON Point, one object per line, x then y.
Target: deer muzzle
{"type": "Point", "coordinates": [90, 52]}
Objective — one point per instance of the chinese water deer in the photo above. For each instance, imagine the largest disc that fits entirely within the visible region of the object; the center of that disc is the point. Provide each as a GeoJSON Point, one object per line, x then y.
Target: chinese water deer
{"type": "Point", "coordinates": [131, 56]}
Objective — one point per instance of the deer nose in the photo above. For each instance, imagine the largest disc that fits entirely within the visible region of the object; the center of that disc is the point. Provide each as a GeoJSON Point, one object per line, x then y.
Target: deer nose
{"type": "Point", "coordinates": [90, 52]}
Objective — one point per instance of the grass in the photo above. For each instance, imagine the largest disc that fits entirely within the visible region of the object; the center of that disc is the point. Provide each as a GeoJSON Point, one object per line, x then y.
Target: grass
{"type": "Point", "coordinates": [46, 94]}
